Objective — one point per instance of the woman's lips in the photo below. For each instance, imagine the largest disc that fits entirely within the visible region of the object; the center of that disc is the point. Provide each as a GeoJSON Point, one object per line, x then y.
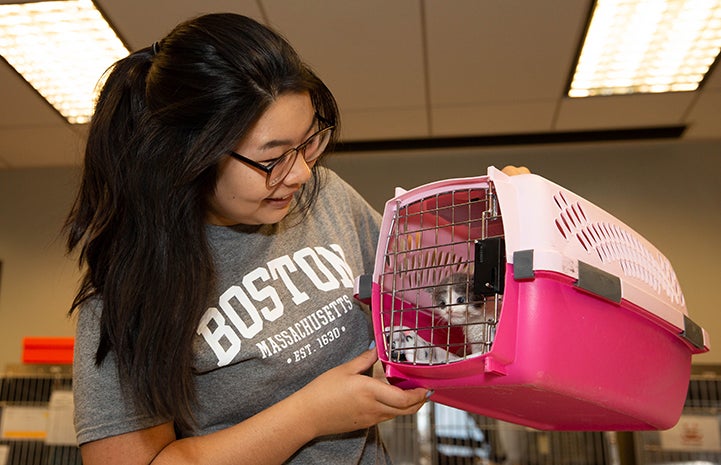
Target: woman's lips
{"type": "Point", "coordinates": [280, 202]}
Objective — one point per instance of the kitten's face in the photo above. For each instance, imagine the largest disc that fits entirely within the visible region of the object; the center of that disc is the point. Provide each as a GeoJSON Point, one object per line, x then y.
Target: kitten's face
{"type": "Point", "coordinates": [454, 299]}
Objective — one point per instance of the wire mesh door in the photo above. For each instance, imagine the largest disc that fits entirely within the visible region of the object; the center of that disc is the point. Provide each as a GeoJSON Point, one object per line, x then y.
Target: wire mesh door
{"type": "Point", "coordinates": [442, 283]}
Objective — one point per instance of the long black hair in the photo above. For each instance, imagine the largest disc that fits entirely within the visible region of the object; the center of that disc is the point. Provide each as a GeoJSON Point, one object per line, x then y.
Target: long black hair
{"type": "Point", "coordinates": [165, 117]}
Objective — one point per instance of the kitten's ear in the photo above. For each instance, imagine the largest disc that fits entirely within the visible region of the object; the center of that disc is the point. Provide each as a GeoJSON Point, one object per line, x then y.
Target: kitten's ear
{"type": "Point", "coordinates": [433, 290]}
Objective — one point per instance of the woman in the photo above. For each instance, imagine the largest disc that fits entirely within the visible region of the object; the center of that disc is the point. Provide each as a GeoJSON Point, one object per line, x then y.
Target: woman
{"type": "Point", "coordinates": [215, 318]}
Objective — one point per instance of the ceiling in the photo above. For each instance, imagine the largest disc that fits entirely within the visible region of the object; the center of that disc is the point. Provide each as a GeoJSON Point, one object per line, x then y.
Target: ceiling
{"type": "Point", "coordinates": [401, 69]}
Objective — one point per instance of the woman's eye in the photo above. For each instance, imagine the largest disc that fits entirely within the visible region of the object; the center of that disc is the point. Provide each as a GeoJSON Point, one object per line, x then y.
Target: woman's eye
{"type": "Point", "coordinates": [275, 160]}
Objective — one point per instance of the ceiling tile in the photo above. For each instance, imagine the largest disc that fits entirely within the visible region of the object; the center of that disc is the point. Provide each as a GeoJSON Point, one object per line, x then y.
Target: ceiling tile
{"type": "Point", "coordinates": [500, 118]}
{"type": "Point", "coordinates": [386, 123]}
{"type": "Point", "coordinates": [625, 111]}
{"type": "Point", "coordinates": [142, 22]}
{"type": "Point", "coordinates": [369, 53]}
{"type": "Point", "coordinates": [509, 51]}
{"type": "Point", "coordinates": [704, 120]}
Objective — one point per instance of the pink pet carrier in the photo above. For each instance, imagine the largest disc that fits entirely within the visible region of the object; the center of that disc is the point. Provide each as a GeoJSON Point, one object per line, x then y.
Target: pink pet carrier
{"type": "Point", "coordinates": [514, 298]}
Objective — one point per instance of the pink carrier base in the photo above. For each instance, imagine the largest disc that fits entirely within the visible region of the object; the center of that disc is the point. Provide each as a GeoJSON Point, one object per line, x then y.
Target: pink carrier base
{"type": "Point", "coordinates": [563, 359]}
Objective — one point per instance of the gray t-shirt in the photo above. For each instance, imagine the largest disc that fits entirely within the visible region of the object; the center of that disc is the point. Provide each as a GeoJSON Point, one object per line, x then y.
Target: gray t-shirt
{"type": "Point", "coordinates": [284, 313]}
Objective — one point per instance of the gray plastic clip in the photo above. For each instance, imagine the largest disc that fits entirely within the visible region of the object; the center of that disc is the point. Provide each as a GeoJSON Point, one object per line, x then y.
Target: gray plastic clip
{"type": "Point", "coordinates": [692, 332]}
{"type": "Point", "coordinates": [599, 282]}
{"type": "Point", "coordinates": [364, 286]}
{"type": "Point", "coordinates": [523, 264]}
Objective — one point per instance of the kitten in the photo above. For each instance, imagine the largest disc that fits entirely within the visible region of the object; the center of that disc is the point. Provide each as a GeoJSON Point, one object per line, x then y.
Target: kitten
{"type": "Point", "coordinates": [455, 300]}
{"type": "Point", "coordinates": [407, 346]}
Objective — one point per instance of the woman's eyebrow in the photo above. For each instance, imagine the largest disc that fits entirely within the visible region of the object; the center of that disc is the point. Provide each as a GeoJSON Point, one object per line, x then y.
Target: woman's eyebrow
{"type": "Point", "coordinates": [271, 144]}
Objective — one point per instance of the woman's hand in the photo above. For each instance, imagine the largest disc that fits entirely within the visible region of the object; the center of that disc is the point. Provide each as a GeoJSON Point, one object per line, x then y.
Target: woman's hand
{"type": "Point", "coordinates": [343, 399]}
{"type": "Point", "coordinates": [514, 170]}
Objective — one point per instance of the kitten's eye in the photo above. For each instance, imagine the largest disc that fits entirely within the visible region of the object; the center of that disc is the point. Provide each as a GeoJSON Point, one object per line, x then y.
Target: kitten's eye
{"type": "Point", "coordinates": [442, 303]}
{"type": "Point", "coordinates": [461, 300]}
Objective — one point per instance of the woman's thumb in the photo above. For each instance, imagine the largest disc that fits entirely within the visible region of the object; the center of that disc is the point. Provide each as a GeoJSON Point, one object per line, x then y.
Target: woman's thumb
{"type": "Point", "coordinates": [364, 361]}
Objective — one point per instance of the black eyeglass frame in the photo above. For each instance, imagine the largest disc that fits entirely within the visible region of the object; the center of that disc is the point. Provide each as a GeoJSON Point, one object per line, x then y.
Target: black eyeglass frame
{"type": "Point", "coordinates": [294, 151]}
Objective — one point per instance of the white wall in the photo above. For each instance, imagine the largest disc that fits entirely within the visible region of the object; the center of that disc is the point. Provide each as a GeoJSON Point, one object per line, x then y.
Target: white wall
{"type": "Point", "coordinates": [670, 192]}
{"type": "Point", "coordinates": [38, 282]}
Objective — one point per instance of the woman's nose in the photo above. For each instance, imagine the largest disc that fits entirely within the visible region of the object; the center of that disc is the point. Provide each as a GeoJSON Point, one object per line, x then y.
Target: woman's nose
{"type": "Point", "coordinates": [299, 173]}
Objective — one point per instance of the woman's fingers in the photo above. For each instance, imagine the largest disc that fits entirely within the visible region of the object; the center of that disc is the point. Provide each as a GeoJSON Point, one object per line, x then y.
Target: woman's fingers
{"type": "Point", "coordinates": [514, 170]}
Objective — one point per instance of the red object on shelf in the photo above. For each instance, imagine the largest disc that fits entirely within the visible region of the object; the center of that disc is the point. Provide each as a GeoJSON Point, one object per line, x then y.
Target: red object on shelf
{"type": "Point", "coordinates": [48, 350]}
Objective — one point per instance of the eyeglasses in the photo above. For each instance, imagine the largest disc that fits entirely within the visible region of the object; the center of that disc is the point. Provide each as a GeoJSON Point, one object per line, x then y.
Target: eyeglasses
{"type": "Point", "coordinates": [278, 169]}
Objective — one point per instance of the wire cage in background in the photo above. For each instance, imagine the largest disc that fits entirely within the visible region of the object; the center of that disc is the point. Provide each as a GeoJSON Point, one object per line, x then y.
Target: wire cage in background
{"type": "Point", "coordinates": [36, 416]}
{"type": "Point", "coordinates": [514, 298]}
{"type": "Point", "coordinates": [436, 435]}
{"type": "Point", "coordinates": [696, 438]}
{"type": "Point", "coordinates": [442, 435]}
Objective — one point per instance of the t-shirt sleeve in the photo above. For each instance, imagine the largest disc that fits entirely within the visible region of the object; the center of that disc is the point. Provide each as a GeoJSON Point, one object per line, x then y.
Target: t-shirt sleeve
{"type": "Point", "coordinates": [101, 408]}
{"type": "Point", "coordinates": [366, 220]}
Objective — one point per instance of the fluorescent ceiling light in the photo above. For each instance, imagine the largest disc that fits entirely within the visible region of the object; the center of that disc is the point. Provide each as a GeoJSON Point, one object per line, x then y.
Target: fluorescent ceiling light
{"type": "Point", "coordinates": [61, 48]}
{"type": "Point", "coordinates": [643, 46]}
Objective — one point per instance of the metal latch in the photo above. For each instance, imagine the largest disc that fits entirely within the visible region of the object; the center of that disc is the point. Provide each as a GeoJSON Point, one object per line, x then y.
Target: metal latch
{"type": "Point", "coordinates": [489, 272]}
